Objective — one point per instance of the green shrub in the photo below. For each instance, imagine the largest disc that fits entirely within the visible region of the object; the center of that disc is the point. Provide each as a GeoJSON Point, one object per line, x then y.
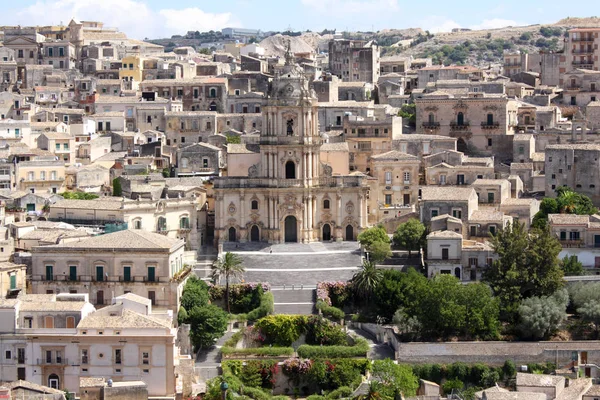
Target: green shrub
{"type": "Point", "coordinates": [267, 307]}
{"type": "Point", "coordinates": [448, 386]}
{"type": "Point", "coordinates": [282, 330]}
{"type": "Point", "coordinates": [330, 311]}
{"type": "Point", "coordinates": [345, 374]}
{"type": "Point", "coordinates": [509, 369]}
{"type": "Point", "coordinates": [259, 352]}
{"type": "Point", "coordinates": [255, 393]}
{"type": "Point", "coordinates": [360, 349]}
{"type": "Point", "coordinates": [315, 397]}
{"type": "Point", "coordinates": [339, 393]}
{"type": "Point", "coordinates": [234, 339]}
{"type": "Point", "coordinates": [320, 331]}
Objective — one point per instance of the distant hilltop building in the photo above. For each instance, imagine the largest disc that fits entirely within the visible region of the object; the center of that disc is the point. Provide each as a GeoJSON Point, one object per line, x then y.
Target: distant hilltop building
{"type": "Point", "coordinates": [454, 30]}
{"type": "Point", "coordinates": [236, 33]}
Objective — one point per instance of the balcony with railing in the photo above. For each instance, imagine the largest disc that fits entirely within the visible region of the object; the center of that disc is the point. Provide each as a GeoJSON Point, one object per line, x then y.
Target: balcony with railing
{"type": "Point", "coordinates": [583, 64]}
{"type": "Point", "coordinates": [583, 51]}
{"type": "Point", "coordinates": [583, 39]}
{"type": "Point", "coordinates": [431, 125]}
{"type": "Point", "coordinates": [53, 361]}
{"type": "Point", "coordinates": [490, 125]}
{"type": "Point", "coordinates": [572, 243]}
{"type": "Point", "coordinates": [456, 127]}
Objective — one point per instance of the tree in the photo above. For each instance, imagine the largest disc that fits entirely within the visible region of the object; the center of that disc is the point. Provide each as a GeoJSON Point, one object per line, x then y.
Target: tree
{"type": "Point", "coordinates": [395, 379]}
{"type": "Point", "coordinates": [166, 172]}
{"type": "Point", "coordinates": [527, 266]}
{"type": "Point", "coordinates": [372, 235]}
{"type": "Point", "coordinates": [482, 311]}
{"type": "Point", "coordinates": [541, 316]}
{"type": "Point", "coordinates": [409, 235]}
{"type": "Point", "coordinates": [117, 189]}
{"type": "Point", "coordinates": [567, 201]}
{"type": "Point", "coordinates": [229, 266]}
{"type": "Point", "coordinates": [379, 252]}
{"type": "Point", "coordinates": [182, 316]}
{"type": "Point", "coordinates": [571, 266]}
{"type": "Point", "coordinates": [195, 294]}
{"type": "Point", "coordinates": [366, 279]}
{"type": "Point", "coordinates": [208, 323]}
{"type": "Point", "coordinates": [399, 290]}
{"type": "Point", "coordinates": [586, 299]}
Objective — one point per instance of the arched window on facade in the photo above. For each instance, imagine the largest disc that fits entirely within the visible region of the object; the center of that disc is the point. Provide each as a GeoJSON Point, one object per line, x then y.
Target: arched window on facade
{"type": "Point", "coordinates": [254, 205]}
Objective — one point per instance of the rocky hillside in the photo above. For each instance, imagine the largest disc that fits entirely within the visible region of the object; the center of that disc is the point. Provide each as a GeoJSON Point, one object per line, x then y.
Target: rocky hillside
{"type": "Point", "coordinates": [483, 48]}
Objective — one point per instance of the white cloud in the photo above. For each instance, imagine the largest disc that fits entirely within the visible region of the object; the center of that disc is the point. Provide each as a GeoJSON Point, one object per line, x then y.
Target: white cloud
{"type": "Point", "coordinates": [133, 17]}
{"type": "Point", "coordinates": [436, 24]}
{"type": "Point", "coordinates": [336, 7]}
{"type": "Point", "coordinates": [494, 23]}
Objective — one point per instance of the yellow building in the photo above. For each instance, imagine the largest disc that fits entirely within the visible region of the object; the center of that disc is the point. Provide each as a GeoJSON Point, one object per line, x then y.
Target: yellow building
{"type": "Point", "coordinates": [131, 69]}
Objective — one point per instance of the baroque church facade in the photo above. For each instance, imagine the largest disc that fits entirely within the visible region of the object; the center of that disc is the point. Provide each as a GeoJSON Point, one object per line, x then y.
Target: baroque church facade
{"type": "Point", "coordinates": [290, 195]}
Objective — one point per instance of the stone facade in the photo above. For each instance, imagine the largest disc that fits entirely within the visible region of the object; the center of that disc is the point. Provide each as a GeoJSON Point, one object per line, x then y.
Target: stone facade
{"type": "Point", "coordinates": [354, 60]}
{"type": "Point", "coordinates": [483, 124]}
{"type": "Point", "coordinates": [199, 159]}
{"type": "Point", "coordinates": [575, 166]}
{"type": "Point", "coordinates": [290, 195]}
{"type": "Point", "coordinates": [581, 87]}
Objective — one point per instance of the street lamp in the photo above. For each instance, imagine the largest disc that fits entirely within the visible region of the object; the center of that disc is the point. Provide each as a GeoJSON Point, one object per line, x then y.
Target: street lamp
{"type": "Point", "coordinates": [224, 387]}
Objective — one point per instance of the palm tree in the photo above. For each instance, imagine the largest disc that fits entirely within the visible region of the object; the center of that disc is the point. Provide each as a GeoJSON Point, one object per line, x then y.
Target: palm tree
{"type": "Point", "coordinates": [230, 266]}
{"type": "Point", "coordinates": [366, 279]}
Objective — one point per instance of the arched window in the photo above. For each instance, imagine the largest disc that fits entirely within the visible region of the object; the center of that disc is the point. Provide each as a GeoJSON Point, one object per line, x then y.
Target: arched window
{"type": "Point", "coordinates": [490, 119]}
{"type": "Point", "coordinates": [137, 224]}
{"type": "Point", "coordinates": [71, 322]}
{"type": "Point", "coordinates": [53, 381]}
{"type": "Point", "coordinates": [326, 204]}
{"type": "Point", "coordinates": [161, 225]}
{"type": "Point", "coordinates": [213, 106]}
{"type": "Point", "coordinates": [290, 127]}
{"type": "Point", "coordinates": [290, 170]}
{"type": "Point", "coordinates": [254, 205]}
{"type": "Point", "coordinates": [460, 119]}
{"type": "Point", "coordinates": [213, 92]}
{"type": "Point", "coordinates": [431, 119]}
{"type": "Point", "coordinates": [184, 222]}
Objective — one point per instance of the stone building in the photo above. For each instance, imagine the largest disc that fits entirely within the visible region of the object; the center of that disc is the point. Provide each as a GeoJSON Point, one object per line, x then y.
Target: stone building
{"type": "Point", "coordinates": [354, 60]}
{"type": "Point", "coordinates": [395, 187]}
{"type": "Point", "coordinates": [458, 202]}
{"type": "Point", "coordinates": [389, 64]}
{"type": "Point", "coordinates": [204, 94]}
{"type": "Point", "coordinates": [581, 49]}
{"type": "Point", "coordinates": [60, 54]}
{"type": "Point", "coordinates": [580, 87]}
{"type": "Point", "coordinates": [440, 72]}
{"type": "Point", "coordinates": [290, 195]}
{"type": "Point", "coordinates": [448, 253]}
{"type": "Point", "coordinates": [592, 113]}
{"type": "Point", "coordinates": [105, 266]}
{"type": "Point", "coordinates": [367, 137]}
{"type": "Point", "coordinates": [199, 159]}
{"type": "Point", "coordinates": [454, 168]}
{"type": "Point", "coordinates": [579, 236]}
{"type": "Point", "coordinates": [575, 166]}
{"type": "Point", "coordinates": [483, 123]}
{"type": "Point", "coordinates": [189, 127]}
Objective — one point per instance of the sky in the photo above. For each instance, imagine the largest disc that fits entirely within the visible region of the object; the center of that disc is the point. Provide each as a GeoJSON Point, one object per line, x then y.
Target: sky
{"type": "Point", "coordinates": [141, 19]}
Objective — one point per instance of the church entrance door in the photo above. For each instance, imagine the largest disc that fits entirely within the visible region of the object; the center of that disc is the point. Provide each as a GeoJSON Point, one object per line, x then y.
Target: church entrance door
{"type": "Point", "coordinates": [291, 229]}
{"type": "Point", "coordinates": [232, 235]}
{"type": "Point", "coordinates": [350, 233]}
{"type": "Point", "coordinates": [326, 232]}
{"type": "Point", "coordinates": [254, 234]}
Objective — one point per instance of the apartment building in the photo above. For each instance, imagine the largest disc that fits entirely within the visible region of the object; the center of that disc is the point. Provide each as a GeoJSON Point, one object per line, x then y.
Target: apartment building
{"type": "Point", "coordinates": [40, 173]}
{"type": "Point", "coordinates": [368, 137]}
{"type": "Point", "coordinates": [448, 253]}
{"type": "Point", "coordinates": [198, 94]}
{"type": "Point", "coordinates": [354, 60]}
{"type": "Point", "coordinates": [61, 144]}
{"type": "Point", "coordinates": [58, 339]}
{"type": "Point", "coordinates": [439, 72]}
{"type": "Point", "coordinates": [129, 261]}
{"type": "Point", "coordinates": [394, 188]}
{"type": "Point", "coordinates": [450, 167]}
{"type": "Point", "coordinates": [581, 49]}
{"type": "Point", "coordinates": [579, 236]}
{"type": "Point", "coordinates": [59, 54]}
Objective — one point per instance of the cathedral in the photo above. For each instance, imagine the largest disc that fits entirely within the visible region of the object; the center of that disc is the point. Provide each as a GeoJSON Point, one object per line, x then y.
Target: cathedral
{"type": "Point", "coordinates": [290, 195]}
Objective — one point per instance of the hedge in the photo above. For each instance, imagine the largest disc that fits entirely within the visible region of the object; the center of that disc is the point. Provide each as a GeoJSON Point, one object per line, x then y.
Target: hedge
{"type": "Point", "coordinates": [259, 352]}
{"type": "Point", "coordinates": [360, 349]}
{"type": "Point", "coordinates": [330, 311]}
{"type": "Point", "coordinates": [266, 307]}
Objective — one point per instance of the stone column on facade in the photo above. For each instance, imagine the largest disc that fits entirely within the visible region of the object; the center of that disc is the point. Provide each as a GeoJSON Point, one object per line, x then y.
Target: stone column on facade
{"type": "Point", "coordinates": [310, 164]}
{"type": "Point", "coordinates": [361, 201]}
{"type": "Point", "coordinates": [339, 236]}
{"type": "Point", "coordinates": [243, 218]}
{"type": "Point", "coordinates": [274, 162]}
{"type": "Point", "coordinates": [268, 201]}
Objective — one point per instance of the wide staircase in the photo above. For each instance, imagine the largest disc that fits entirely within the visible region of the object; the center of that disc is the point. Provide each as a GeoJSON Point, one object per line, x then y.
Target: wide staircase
{"type": "Point", "coordinates": [294, 300]}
